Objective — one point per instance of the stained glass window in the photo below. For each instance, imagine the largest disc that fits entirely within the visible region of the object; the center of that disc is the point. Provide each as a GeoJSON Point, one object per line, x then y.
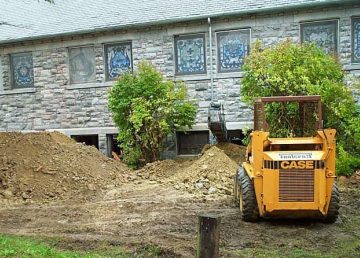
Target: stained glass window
{"type": "Point", "coordinates": [356, 40]}
{"type": "Point", "coordinates": [190, 54]}
{"type": "Point", "coordinates": [233, 46]}
{"type": "Point", "coordinates": [82, 64]}
{"type": "Point", "coordinates": [118, 58]}
{"type": "Point", "coordinates": [324, 34]}
{"type": "Point", "coordinates": [22, 72]}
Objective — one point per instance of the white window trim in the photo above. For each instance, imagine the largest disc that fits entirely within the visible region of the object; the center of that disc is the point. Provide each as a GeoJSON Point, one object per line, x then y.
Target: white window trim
{"type": "Point", "coordinates": [90, 85]}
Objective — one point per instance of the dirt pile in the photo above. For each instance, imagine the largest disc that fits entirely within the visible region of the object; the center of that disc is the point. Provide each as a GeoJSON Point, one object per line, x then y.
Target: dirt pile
{"type": "Point", "coordinates": [50, 166]}
{"type": "Point", "coordinates": [352, 180]}
{"type": "Point", "coordinates": [234, 151]}
{"type": "Point", "coordinates": [212, 173]}
{"type": "Point", "coordinates": [159, 170]}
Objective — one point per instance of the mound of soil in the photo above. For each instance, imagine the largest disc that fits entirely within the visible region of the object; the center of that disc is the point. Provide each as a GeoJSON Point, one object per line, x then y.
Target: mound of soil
{"type": "Point", "coordinates": [352, 180]}
{"type": "Point", "coordinates": [159, 169]}
{"type": "Point", "coordinates": [50, 166]}
{"type": "Point", "coordinates": [234, 151]}
{"type": "Point", "coordinates": [212, 173]}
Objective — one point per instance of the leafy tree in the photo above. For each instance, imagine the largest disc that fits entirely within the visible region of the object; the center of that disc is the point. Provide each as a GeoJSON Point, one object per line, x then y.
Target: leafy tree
{"type": "Point", "coordinates": [146, 109]}
{"type": "Point", "coordinates": [294, 69]}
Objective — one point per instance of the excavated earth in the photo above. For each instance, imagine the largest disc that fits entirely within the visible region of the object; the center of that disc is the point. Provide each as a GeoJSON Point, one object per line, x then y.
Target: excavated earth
{"type": "Point", "coordinates": [43, 167]}
{"type": "Point", "coordinates": [51, 186]}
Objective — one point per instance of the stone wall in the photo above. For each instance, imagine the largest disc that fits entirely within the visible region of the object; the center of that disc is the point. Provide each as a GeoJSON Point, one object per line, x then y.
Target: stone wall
{"type": "Point", "coordinates": [54, 103]}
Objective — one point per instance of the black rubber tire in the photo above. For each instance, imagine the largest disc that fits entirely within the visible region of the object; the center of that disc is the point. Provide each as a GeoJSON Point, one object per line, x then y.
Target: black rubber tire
{"type": "Point", "coordinates": [248, 203]}
{"type": "Point", "coordinates": [334, 207]}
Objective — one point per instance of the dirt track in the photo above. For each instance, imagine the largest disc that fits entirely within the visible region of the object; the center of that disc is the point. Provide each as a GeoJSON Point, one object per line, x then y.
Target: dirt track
{"type": "Point", "coordinates": [149, 213]}
{"type": "Point", "coordinates": [107, 204]}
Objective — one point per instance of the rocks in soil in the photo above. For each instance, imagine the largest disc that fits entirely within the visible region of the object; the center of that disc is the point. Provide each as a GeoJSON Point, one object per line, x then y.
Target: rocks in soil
{"type": "Point", "coordinates": [199, 185]}
{"type": "Point", "coordinates": [212, 190]}
{"type": "Point", "coordinates": [7, 194]}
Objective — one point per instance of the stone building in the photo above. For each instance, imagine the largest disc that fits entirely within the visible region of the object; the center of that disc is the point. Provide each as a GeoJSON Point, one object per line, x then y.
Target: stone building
{"type": "Point", "coordinates": [58, 61]}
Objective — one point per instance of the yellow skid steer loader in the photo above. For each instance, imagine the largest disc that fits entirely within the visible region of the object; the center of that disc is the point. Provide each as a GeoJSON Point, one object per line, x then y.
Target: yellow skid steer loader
{"type": "Point", "coordinates": [291, 177]}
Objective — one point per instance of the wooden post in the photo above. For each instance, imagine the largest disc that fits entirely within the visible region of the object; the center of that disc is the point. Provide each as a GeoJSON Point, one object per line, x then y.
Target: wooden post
{"type": "Point", "coordinates": [208, 236]}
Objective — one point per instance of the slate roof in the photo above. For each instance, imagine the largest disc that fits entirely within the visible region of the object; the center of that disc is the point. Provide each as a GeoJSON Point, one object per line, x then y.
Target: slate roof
{"type": "Point", "coordinates": [33, 19]}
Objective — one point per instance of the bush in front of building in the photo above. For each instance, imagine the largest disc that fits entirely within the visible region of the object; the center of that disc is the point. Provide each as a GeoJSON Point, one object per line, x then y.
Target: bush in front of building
{"type": "Point", "coordinates": [291, 69]}
{"type": "Point", "coordinates": [146, 109]}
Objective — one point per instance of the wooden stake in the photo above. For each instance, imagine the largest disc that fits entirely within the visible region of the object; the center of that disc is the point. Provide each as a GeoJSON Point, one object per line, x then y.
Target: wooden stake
{"type": "Point", "coordinates": [208, 236]}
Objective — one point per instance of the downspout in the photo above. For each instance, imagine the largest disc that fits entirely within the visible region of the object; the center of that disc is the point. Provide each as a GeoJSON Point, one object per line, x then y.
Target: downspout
{"type": "Point", "coordinates": [216, 109]}
{"type": "Point", "coordinates": [211, 61]}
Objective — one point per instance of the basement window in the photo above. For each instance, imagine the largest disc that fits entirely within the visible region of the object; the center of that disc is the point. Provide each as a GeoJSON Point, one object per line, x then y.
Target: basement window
{"type": "Point", "coordinates": [112, 147]}
{"type": "Point", "coordinates": [191, 143]}
{"type": "Point", "coordinates": [236, 136]}
{"type": "Point", "coordinates": [90, 139]}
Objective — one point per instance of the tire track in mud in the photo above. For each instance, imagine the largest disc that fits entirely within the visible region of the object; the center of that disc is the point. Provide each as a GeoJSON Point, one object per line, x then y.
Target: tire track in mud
{"type": "Point", "coordinates": [150, 213]}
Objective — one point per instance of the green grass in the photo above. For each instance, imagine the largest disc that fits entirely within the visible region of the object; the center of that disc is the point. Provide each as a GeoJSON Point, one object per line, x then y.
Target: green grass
{"type": "Point", "coordinates": [26, 247]}
{"type": "Point", "coordinates": [345, 249]}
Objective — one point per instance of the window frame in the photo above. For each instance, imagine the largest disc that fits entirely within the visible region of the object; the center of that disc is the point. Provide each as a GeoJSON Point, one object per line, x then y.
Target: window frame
{"type": "Point", "coordinates": [12, 79]}
{"type": "Point", "coordinates": [353, 20]}
{"type": "Point", "coordinates": [180, 149]}
{"type": "Point", "coordinates": [69, 63]}
{"type": "Point", "coordinates": [105, 48]}
{"type": "Point", "coordinates": [190, 36]}
{"type": "Point", "coordinates": [335, 22]}
{"type": "Point", "coordinates": [217, 33]}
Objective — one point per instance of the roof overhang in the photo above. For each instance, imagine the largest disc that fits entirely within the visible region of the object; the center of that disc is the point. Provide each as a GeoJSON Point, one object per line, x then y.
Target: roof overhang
{"type": "Point", "coordinates": [290, 7]}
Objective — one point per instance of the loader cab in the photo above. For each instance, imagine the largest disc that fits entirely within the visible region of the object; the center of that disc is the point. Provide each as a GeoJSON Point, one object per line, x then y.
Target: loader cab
{"type": "Point", "coordinates": [299, 115]}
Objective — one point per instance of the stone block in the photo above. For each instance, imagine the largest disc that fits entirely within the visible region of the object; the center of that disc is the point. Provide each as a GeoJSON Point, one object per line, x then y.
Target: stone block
{"type": "Point", "coordinates": [201, 86]}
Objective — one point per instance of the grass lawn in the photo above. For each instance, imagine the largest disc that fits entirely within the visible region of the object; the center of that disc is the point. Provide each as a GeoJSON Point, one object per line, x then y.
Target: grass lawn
{"type": "Point", "coordinates": [15, 246]}
{"type": "Point", "coordinates": [350, 248]}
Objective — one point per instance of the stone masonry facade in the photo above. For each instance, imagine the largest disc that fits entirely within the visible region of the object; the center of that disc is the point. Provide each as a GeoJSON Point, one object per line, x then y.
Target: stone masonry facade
{"type": "Point", "coordinates": [56, 104]}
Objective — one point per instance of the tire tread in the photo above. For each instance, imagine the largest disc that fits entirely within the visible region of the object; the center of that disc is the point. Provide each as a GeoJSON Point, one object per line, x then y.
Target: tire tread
{"type": "Point", "coordinates": [250, 212]}
{"type": "Point", "coordinates": [333, 211]}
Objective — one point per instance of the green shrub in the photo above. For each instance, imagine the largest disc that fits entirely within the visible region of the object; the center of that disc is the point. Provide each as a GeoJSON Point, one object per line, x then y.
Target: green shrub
{"type": "Point", "coordinates": [146, 109]}
{"type": "Point", "coordinates": [290, 69]}
{"type": "Point", "coordinates": [346, 162]}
